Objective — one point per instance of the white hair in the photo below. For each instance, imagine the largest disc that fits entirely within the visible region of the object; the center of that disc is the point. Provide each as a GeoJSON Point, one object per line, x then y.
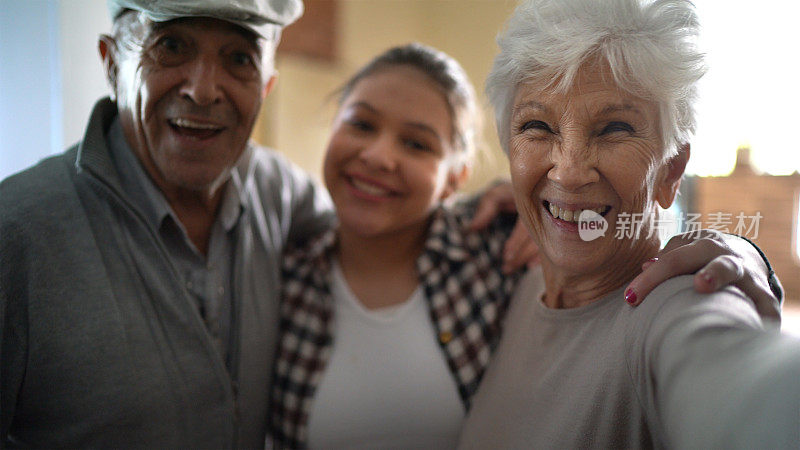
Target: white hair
{"type": "Point", "coordinates": [648, 44]}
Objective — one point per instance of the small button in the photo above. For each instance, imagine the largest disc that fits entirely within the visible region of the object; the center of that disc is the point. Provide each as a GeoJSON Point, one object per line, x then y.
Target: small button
{"type": "Point", "coordinates": [445, 337]}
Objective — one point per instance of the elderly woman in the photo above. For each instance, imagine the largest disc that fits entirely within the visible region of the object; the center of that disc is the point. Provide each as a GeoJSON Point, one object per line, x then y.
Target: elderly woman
{"type": "Point", "coordinates": [593, 102]}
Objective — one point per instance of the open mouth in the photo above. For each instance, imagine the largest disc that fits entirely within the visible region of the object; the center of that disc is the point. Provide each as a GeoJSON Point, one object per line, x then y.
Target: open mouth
{"type": "Point", "coordinates": [569, 215]}
{"type": "Point", "coordinates": [368, 188]}
{"type": "Point", "coordinates": [195, 129]}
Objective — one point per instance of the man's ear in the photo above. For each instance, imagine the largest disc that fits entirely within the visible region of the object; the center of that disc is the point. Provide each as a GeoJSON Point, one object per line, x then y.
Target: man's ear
{"type": "Point", "coordinates": [456, 178]}
{"type": "Point", "coordinates": [270, 84]}
{"type": "Point", "coordinates": [667, 188]}
{"type": "Point", "coordinates": [107, 47]}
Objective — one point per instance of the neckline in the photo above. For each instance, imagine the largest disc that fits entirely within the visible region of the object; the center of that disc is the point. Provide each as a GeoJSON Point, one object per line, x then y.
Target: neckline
{"type": "Point", "coordinates": [384, 315]}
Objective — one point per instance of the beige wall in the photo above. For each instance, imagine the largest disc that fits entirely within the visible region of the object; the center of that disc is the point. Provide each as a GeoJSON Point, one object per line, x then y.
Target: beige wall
{"type": "Point", "coordinates": [297, 114]}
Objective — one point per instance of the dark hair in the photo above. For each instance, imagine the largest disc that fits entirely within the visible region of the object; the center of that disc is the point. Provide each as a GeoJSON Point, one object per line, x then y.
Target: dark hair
{"type": "Point", "coordinates": [449, 77]}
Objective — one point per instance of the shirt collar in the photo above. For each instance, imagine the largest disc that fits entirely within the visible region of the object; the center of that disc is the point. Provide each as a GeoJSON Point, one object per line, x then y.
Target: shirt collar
{"type": "Point", "coordinates": [134, 180]}
{"type": "Point", "coordinates": [448, 237]}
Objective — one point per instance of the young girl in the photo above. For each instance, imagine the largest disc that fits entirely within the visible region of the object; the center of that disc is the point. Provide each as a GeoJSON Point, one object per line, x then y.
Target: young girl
{"type": "Point", "coordinates": [388, 321]}
{"type": "Point", "coordinates": [413, 299]}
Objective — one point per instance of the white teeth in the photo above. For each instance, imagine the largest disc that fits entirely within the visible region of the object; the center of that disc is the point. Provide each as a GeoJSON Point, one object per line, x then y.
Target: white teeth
{"type": "Point", "coordinates": [569, 215]}
{"type": "Point", "coordinates": [186, 123]}
{"type": "Point", "coordinates": [368, 188]}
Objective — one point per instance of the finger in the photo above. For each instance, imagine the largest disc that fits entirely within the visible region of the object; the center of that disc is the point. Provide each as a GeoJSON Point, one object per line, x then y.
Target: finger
{"type": "Point", "coordinates": [518, 248]}
{"type": "Point", "coordinates": [682, 260]}
{"type": "Point", "coordinates": [719, 272]}
{"type": "Point", "coordinates": [527, 254]}
{"type": "Point", "coordinates": [487, 210]}
{"type": "Point", "coordinates": [727, 269]}
{"type": "Point", "coordinates": [689, 237]}
{"type": "Point", "coordinates": [535, 261]}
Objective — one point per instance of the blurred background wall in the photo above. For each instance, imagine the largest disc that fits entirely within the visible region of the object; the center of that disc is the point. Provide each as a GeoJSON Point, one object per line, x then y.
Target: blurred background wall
{"type": "Point", "coordinates": [50, 76]}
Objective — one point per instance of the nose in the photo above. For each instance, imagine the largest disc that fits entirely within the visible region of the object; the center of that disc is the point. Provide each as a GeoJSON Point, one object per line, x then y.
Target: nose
{"type": "Point", "coordinates": [574, 164]}
{"type": "Point", "coordinates": [203, 81]}
{"type": "Point", "coordinates": [379, 153]}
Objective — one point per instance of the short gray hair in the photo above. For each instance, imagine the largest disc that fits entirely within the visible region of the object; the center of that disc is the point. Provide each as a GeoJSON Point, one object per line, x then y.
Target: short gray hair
{"type": "Point", "coordinates": [648, 44]}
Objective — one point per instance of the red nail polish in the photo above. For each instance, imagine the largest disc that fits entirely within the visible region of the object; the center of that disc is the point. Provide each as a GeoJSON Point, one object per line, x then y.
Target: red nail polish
{"type": "Point", "coordinates": [706, 277]}
{"type": "Point", "coordinates": [630, 296]}
{"type": "Point", "coordinates": [653, 259]}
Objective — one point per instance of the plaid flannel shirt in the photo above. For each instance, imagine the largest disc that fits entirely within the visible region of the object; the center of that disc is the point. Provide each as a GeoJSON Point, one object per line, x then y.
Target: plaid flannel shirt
{"type": "Point", "coordinates": [467, 295]}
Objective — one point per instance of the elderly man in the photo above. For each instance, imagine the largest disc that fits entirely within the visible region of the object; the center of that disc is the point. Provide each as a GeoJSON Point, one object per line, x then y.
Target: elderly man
{"type": "Point", "coordinates": [139, 268]}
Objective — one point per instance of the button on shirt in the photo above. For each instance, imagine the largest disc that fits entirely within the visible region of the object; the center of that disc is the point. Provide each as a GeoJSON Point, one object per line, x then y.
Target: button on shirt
{"type": "Point", "coordinates": [209, 279]}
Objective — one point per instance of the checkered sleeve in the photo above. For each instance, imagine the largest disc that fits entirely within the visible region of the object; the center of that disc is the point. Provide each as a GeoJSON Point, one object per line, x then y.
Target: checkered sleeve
{"type": "Point", "coordinates": [468, 293]}
{"type": "Point", "coordinates": [304, 343]}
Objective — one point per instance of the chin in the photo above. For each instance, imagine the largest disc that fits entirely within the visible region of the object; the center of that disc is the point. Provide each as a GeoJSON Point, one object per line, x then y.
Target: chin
{"type": "Point", "coordinates": [578, 258]}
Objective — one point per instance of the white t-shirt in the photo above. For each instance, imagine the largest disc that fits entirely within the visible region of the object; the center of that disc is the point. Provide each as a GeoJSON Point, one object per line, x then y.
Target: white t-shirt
{"type": "Point", "coordinates": [387, 384]}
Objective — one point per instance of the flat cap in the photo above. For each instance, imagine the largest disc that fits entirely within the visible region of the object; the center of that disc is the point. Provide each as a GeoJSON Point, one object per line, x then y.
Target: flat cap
{"type": "Point", "coordinates": [258, 16]}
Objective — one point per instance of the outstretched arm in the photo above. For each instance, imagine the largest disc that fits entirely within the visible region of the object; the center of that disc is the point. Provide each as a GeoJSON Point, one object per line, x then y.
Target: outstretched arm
{"type": "Point", "coordinates": [717, 260]}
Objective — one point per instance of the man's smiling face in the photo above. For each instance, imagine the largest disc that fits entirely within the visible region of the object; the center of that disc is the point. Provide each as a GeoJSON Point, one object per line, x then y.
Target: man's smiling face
{"type": "Point", "coordinates": [188, 93]}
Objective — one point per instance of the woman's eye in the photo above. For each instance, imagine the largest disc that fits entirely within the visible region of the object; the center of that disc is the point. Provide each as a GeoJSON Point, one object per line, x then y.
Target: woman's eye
{"type": "Point", "coordinates": [613, 127]}
{"type": "Point", "coordinates": [415, 144]}
{"type": "Point", "coordinates": [535, 125]}
{"type": "Point", "coordinates": [360, 125]}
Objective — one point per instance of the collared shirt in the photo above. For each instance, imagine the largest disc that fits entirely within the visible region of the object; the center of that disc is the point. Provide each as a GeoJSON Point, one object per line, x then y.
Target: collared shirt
{"type": "Point", "coordinates": [103, 346]}
{"type": "Point", "coordinates": [466, 294]}
{"type": "Point", "coordinates": [209, 278]}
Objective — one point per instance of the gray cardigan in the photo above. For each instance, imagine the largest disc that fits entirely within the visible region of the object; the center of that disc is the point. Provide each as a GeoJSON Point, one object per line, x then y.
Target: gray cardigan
{"type": "Point", "coordinates": [100, 343]}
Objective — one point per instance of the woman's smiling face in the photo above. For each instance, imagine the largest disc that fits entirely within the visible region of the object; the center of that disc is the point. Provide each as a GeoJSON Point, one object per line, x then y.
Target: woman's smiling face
{"type": "Point", "coordinates": [594, 147]}
{"type": "Point", "coordinates": [388, 159]}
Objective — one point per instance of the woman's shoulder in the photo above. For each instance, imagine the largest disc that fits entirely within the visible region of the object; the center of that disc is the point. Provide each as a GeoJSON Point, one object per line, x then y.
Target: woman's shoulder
{"type": "Point", "coordinates": [675, 308]}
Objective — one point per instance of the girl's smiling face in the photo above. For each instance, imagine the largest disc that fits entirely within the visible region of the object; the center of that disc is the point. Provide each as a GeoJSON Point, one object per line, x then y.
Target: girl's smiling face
{"type": "Point", "coordinates": [389, 159]}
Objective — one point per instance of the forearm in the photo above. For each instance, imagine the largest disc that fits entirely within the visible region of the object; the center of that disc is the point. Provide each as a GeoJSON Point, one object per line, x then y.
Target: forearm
{"type": "Point", "coordinates": [720, 380]}
{"type": "Point", "coordinates": [733, 389]}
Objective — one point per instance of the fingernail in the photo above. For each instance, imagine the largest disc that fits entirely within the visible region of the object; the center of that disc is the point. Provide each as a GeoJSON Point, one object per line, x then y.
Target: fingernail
{"type": "Point", "coordinates": [707, 277]}
{"type": "Point", "coordinates": [630, 296]}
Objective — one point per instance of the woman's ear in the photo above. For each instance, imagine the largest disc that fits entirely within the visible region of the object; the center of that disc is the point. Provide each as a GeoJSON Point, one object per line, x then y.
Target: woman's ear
{"type": "Point", "coordinates": [107, 47]}
{"type": "Point", "coordinates": [671, 178]}
{"type": "Point", "coordinates": [456, 178]}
